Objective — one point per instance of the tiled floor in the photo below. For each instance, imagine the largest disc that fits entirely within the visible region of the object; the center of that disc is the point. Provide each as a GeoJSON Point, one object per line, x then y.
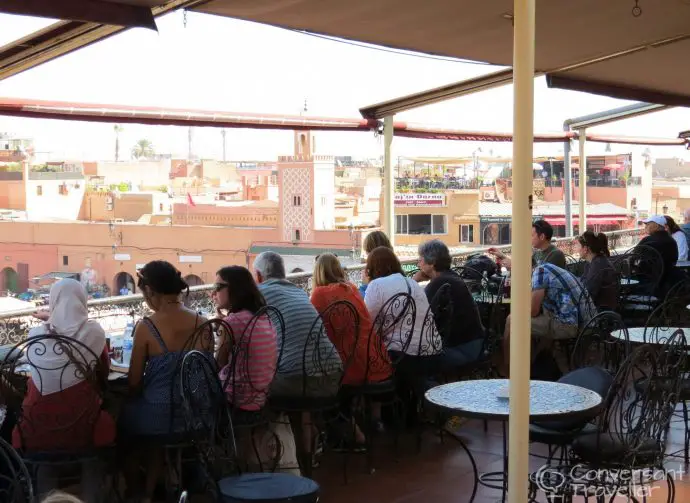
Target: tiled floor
{"type": "Point", "coordinates": [442, 472]}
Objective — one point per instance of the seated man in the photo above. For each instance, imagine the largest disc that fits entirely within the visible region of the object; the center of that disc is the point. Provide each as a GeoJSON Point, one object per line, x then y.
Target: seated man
{"type": "Point", "coordinates": [544, 250]}
{"type": "Point", "coordinates": [300, 372]}
{"type": "Point", "coordinates": [295, 363]}
{"type": "Point", "coordinates": [560, 306]}
{"type": "Point", "coordinates": [462, 332]}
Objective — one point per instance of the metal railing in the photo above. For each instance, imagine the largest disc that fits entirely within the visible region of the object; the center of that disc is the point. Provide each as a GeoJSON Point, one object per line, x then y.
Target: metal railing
{"type": "Point", "coordinates": [115, 312]}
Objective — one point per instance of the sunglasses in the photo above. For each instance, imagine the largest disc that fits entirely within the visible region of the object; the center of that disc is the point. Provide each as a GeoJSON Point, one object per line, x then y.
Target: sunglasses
{"type": "Point", "coordinates": [220, 286]}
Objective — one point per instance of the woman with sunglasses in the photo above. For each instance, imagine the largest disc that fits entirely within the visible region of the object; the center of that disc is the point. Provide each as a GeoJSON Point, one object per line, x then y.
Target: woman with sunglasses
{"type": "Point", "coordinates": [248, 362]}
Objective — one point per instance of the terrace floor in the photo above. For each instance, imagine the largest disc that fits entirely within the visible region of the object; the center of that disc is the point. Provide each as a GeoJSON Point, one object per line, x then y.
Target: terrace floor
{"type": "Point", "coordinates": [442, 472]}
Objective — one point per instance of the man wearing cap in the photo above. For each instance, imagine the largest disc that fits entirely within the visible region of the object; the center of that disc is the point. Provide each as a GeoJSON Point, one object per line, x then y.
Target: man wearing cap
{"type": "Point", "coordinates": [659, 239]}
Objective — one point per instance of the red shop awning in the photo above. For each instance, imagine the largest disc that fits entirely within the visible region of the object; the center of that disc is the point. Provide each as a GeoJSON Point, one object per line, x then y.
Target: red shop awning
{"type": "Point", "coordinates": [590, 220]}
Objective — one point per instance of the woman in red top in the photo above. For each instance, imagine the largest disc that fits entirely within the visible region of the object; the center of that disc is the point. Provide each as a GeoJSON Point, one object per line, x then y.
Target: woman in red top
{"type": "Point", "coordinates": [365, 358]}
{"type": "Point", "coordinates": [62, 410]}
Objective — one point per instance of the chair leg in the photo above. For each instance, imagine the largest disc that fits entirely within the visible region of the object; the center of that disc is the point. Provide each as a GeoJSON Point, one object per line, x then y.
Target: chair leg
{"type": "Point", "coordinates": [370, 432]}
{"type": "Point", "coordinates": [686, 444]}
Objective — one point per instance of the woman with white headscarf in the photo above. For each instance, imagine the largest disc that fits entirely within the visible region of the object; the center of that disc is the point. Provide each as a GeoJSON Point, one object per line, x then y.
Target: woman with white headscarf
{"type": "Point", "coordinates": [62, 409]}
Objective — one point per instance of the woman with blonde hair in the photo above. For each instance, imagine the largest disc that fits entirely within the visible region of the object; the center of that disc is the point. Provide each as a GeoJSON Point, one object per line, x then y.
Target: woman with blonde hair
{"type": "Point", "coordinates": [330, 286]}
{"type": "Point", "coordinates": [363, 353]}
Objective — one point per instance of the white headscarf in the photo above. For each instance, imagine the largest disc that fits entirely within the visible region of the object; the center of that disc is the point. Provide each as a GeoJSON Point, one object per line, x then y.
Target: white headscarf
{"type": "Point", "coordinates": [68, 318]}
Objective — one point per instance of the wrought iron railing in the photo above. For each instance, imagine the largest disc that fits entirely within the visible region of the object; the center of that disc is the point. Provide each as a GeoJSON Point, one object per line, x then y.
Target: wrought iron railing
{"type": "Point", "coordinates": [115, 312]}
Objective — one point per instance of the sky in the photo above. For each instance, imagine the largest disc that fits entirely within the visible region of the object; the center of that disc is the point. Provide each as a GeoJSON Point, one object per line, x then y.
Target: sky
{"type": "Point", "coordinates": [215, 63]}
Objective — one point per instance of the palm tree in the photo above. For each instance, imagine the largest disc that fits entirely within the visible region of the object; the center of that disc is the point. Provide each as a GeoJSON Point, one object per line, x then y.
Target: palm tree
{"type": "Point", "coordinates": [118, 129]}
{"type": "Point", "coordinates": [143, 149]}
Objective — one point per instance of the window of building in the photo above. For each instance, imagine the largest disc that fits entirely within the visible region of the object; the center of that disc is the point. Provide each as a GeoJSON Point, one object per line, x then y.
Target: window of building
{"type": "Point", "coordinates": [297, 235]}
{"type": "Point", "coordinates": [39, 190]}
{"type": "Point", "coordinates": [401, 224]}
{"type": "Point", "coordinates": [420, 224]}
{"type": "Point", "coordinates": [65, 260]}
{"type": "Point", "coordinates": [297, 200]}
{"type": "Point", "coordinates": [467, 233]}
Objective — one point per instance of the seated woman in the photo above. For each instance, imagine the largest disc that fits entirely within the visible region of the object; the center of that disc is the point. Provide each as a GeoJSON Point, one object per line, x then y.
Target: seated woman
{"type": "Point", "coordinates": [413, 348]}
{"type": "Point", "coordinates": [160, 343]}
{"type": "Point", "coordinates": [364, 361]}
{"type": "Point", "coordinates": [62, 406]}
{"type": "Point", "coordinates": [363, 353]}
{"type": "Point", "coordinates": [600, 277]}
{"type": "Point", "coordinates": [387, 280]}
{"type": "Point", "coordinates": [248, 362]}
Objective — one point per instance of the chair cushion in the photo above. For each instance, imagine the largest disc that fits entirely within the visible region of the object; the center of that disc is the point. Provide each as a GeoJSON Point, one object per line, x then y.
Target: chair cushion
{"type": "Point", "coordinates": [268, 488]}
{"type": "Point", "coordinates": [592, 378]}
{"type": "Point", "coordinates": [607, 449]}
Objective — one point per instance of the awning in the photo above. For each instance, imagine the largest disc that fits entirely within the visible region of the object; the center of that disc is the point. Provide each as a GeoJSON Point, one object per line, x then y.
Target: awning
{"type": "Point", "coordinates": [130, 13]}
{"type": "Point", "coordinates": [590, 220]}
{"type": "Point", "coordinates": [635, 57]}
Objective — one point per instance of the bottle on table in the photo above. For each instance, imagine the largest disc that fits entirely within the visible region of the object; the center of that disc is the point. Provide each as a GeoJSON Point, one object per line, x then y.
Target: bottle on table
{"type": "Point", "coordinates": [127, 344]}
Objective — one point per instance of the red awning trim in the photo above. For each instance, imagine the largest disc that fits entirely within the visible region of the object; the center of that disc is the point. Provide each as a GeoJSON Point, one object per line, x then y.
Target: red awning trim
{"type": "Point", "coordinates": [91, 112]}
{"type": "Point", "coordinates": [175, 116]}
{"type": "Point", "coordinates": [406, 130]}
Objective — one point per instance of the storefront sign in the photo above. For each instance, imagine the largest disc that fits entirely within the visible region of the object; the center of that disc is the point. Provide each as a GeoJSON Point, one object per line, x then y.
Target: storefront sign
{"type": "Point", "coordinates": [420, 199]}
{"type": "Point", "coordinates": [122, 257]}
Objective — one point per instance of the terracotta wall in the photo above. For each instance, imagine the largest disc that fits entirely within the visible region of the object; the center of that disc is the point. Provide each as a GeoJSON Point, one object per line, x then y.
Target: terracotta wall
{"type": "Point", "coordinates": [462, 208]}
{"type": "Point", "coordinates": [43, 246]}
{"type": "Point", "coordinates": [211, 214]}
{"type": "Point", "coordinates": [12, 195]}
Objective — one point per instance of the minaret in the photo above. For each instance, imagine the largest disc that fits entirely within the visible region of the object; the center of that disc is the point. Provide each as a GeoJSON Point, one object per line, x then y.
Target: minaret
{"type": "Point", "coordinates": [306, 187]}
{"type": "Point", "coordinates": [304, 142]}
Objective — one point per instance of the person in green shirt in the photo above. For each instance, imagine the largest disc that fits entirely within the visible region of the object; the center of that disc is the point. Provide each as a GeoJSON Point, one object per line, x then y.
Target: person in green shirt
{"type": "Point", "coordinates": [544, 250]}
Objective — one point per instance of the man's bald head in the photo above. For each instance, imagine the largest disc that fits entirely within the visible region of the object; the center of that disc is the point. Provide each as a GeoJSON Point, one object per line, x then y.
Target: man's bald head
{"type": "Point", "coordinates": [686, 216]}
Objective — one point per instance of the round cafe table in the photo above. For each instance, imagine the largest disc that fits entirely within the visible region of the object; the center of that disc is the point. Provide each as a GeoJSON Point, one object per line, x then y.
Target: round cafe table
{"type": "Point", "coordinates": [651, 335]}
{"type": "Point", "coordinates": [488, 399]}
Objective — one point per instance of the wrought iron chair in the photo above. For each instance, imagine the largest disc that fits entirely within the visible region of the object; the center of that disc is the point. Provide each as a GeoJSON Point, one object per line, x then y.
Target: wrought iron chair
{"type": "Point", "coordinates": [631, 433]}
{"type": "Point", "coordinates": [208, 417]}
{"type": "Point", "coordinates": [248, 404]}
{"type": "Point", "coordinates": [663, 324]}
{"type": "Point", "coordinates": [15, 481]}
{"type": "Point", "coordinates": [643, 269]}
{"type": "Point", "coordinates": [56, 364]}
{"type": "Point", "coordinates": [575, 266]}
{"type": "Point", "coordinates": [390, 337]}
{"type": "Point", "coordinates": [321, 373]}
{"type": "Point", "coordinates": [596, 347]}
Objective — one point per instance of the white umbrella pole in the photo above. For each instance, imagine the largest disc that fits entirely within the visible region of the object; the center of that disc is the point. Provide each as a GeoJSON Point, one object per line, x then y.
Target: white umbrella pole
{"type": "Point", "coordinates": [520, 328]}
{"type": "Point", "coordinates": [583, 180]}
{"type": "Point", "coordinates": [388, 181]}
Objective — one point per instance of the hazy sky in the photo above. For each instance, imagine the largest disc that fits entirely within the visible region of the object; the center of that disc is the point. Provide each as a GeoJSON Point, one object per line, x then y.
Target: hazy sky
{"type": "Point", "coordinates": [223, 64]}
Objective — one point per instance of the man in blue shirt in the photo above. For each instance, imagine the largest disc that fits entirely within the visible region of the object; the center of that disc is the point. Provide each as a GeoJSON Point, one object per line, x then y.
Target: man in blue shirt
{"type": "Point", "coordinates": [560, 307]}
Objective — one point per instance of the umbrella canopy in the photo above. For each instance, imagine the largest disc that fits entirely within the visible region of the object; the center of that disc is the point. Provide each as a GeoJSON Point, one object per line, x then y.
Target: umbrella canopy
{"type": "Point", "coordinates": [635, 56]}
{"type": "Point", "coordinates": [625, 53]}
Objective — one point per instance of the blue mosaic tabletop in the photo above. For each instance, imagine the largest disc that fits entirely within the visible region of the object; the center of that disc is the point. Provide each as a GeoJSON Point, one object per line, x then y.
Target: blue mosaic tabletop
{"type": "Point", "coordinates": [488, 398]}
